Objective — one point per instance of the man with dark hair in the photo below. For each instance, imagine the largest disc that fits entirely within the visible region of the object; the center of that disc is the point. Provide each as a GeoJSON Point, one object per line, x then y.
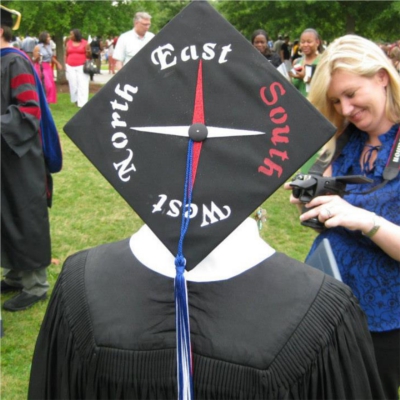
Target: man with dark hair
{"type": "Point", "coordinates": [96, 48]}
{"type": "Point", "coordinates": [25, 181]}
{"type": "Point", "coordinates": [285, 53]}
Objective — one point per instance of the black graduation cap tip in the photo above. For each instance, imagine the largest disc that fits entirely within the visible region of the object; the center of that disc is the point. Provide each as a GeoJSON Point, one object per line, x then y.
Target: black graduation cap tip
{"type": "Point", "coordinates": [198, 78]}
{"type": "Point", "coordinates": [11, 18]}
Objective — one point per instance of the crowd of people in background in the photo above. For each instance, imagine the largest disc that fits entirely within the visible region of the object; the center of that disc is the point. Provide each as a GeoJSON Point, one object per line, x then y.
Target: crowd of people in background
{"type": "Point", "coordinates": [289, 56]}
{"type": "Point", "coordinates": [104, 47]}
{"type": "Point", "coordinates": [113, 50]}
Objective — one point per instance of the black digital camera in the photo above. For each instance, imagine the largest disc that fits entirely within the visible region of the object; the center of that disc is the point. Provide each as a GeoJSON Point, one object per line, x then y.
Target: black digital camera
{"type": "Point", "coordinates": [306, 187]}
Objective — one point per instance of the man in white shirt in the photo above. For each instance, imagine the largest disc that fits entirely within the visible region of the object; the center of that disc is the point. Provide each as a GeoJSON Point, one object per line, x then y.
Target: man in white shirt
{"type": "Point", "coordinates": [129, 43]}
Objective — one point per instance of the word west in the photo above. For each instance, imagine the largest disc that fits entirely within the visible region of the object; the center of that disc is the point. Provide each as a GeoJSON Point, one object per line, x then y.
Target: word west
{"type": "Point", "coordinates": [167, 57]}
{"type": "Point", "coordinates": [119, 139]}
{"type": "Point", "coordinates": [278, 116]}
{"type": "Point", "coordinates": [209, 215]}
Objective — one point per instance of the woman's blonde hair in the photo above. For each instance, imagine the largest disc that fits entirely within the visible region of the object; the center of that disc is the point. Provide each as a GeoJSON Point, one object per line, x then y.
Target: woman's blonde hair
{"type": "Point", "coordinates": [356, 55]}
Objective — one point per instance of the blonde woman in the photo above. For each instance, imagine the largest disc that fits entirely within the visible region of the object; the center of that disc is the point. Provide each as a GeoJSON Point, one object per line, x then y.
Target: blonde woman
{"type": "Point", "coordinates": [358, 89]}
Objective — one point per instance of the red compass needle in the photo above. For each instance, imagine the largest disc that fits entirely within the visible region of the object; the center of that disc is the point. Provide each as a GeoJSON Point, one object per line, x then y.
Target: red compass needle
{"type": "Point", "coordinates": [198, 118]}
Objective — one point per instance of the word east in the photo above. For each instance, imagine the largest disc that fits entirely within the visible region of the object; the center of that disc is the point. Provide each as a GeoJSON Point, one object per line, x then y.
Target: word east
{"type": "Point", "coordinates": [210, 215]}
{"type": "Point", "coordinates": [280, 134]}
{"type": "Point", "coordinates": [166, 56]}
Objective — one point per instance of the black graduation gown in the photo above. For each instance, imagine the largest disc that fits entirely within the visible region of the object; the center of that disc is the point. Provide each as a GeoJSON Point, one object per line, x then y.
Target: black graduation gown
{"type": "Point", "coordinates": [25, 231]}
{"type": "Point", "coordinates": [280, 330]}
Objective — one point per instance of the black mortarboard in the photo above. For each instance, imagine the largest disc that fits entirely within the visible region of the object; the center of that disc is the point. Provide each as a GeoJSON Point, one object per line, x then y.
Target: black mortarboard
{"type": "Point", "coordinates": [198, 69]}
{"type": "Point", "coordinates": [6, 17]}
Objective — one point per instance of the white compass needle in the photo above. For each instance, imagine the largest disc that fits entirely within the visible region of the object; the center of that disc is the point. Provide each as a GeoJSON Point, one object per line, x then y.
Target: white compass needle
{"type": "Point", "coordinates": [213, 132]}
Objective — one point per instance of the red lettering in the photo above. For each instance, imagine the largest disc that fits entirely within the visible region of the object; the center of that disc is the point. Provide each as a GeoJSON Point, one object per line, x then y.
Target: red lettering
{"type": "Point", "coordinates": [282, 154]}
{"type": "Point", "coordinates": [278, 110]}
{"type": "Point", "coordinates": [271, 168]}
{"type": "Point", "coordinates": [276, 132]}
{"type": "Point", "coordinates": [278, 116]}
{"type": "Point", "coordinates": [274, 93]}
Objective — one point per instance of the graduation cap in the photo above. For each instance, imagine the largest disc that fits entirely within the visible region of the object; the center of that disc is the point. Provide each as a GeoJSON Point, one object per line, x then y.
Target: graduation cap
{"type": "Point", "coordinates": [198, 69]}
{"type": "Point", "coordinates": [196, 131]}
{"type": "Point", "coordinates": [6, 17]}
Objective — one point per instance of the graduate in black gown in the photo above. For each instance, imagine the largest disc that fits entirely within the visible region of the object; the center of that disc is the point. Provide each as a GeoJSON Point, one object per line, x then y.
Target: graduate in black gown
{"type": "Point", "coordinates": [195, 304]}
{"type": "Point", "coordinates": [26, 185]}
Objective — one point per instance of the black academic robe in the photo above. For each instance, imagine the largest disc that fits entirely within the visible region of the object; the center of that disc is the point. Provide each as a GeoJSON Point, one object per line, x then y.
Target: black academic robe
{"type": "Point", "coordinates": [280, 330]}
{"type": "Point", "coordinates": [25, 231]}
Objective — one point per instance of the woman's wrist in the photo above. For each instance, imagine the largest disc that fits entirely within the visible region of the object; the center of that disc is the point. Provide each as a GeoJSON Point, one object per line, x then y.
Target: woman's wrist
{"type": "Point", "coordinates": [373, 226]}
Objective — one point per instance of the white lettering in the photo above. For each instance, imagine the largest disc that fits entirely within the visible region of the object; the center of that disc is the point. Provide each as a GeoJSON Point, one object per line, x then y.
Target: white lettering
{"type": "Point", "coordinates": [166, 58]}
{"type": "Point", "coordinates": [123, 140]}
{"type": "Point", "coordinates": [210, 214]}
{"type": "Point", "coordinates": [175, 206]}
{"type": "Point", "coordinates": [184, 54]}
{"type": "Point", "coordinates": [208, 53]}
{"type": "Point", "coordinates": [124, 93]}
{"type": "Point", "coordinates": [225, 51]}
{"type": "Point", "coordinates": [193, 53]}
{"type": "Point", "coordinates": [158, 207]}
{"type": "Point", "coordinates": [159, 56]}
{"type": "Point", "coordinates": [116, 106]}
{"type": "Point", "coordinates": [192, 212]}
{"type": "Point", "coordinates": [122, 167]}
{"type": "Point", "coordinates": [116, 121]}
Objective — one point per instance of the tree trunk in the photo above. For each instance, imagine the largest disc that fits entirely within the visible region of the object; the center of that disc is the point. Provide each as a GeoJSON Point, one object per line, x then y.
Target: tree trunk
{"type": "Point", "coordinates": [60, 51]}
{"type": "Point", "coordinates": [350, 24]}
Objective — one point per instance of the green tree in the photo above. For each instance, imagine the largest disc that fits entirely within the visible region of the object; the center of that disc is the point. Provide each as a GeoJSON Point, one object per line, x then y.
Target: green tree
{"type": "Point", "coordinates": [100, 18]}
{"type": "Point", "coordinates": [377, 20]}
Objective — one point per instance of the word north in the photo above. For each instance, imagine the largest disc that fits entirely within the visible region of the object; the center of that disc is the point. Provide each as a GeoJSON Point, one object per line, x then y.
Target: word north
{"type": "Point", "coordinates": [210, 215]}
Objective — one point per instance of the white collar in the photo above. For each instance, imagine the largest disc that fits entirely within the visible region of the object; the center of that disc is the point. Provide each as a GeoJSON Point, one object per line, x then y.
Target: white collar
{"type": "Point", "coordinates": [138, 36]}
{"type": "Point", "coordinates": [240, 251]}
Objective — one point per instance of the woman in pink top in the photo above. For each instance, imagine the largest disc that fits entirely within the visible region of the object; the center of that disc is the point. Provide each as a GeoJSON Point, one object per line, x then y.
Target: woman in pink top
{"type": "Point", "coordinates": [77, 51]}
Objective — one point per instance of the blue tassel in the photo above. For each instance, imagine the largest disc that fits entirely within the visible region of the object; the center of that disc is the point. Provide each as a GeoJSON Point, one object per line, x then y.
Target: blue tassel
{"type": "Point", "coordinates": [183, 346]}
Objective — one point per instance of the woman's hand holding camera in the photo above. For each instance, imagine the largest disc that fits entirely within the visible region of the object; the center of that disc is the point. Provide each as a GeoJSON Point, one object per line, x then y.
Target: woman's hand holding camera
{"type": "Point", "coordinates": [334, 211]}
{"type": "Point", "coordinates": [292, 199]}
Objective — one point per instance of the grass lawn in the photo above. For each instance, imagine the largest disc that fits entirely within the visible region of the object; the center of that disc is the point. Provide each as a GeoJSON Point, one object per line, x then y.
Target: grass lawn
{"type": "Point", "coordinates": [87, 212]}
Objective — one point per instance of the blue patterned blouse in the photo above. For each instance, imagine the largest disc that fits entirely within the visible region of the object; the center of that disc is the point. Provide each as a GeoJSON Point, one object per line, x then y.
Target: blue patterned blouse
{"type": "Point", "coordinates": [373, 276]}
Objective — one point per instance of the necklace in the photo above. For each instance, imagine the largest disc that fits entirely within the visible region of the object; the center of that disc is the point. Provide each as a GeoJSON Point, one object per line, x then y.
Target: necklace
{"type": "Point", "coordinates": [368, 157]}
